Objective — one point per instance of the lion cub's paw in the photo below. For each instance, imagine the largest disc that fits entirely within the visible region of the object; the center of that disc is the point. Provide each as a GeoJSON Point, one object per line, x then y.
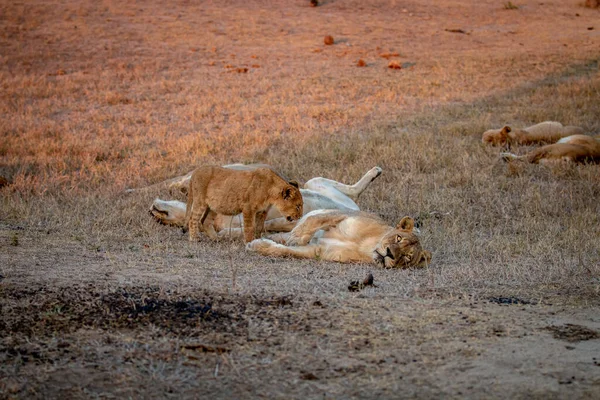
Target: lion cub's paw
{"type": "Point", "coordinates": [260, 244]}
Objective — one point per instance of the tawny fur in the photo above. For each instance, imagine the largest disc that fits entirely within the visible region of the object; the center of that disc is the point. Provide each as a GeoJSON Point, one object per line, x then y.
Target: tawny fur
{"type": "Point", "coordinates": [348, 236]}
{"type": "Point", "coordinates": [216, 190]}
{"type": "Point", "coordinates": [576, 148]}
{"type": "Point", "coordinates": [543, 133]}
{"type": "Point", "coordinates": [317, 194]}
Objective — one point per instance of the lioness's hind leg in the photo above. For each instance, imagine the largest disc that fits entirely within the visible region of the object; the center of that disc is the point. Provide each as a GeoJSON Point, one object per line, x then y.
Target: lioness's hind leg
{"type": "Point", "coordinates": [360, 186]}
{"type": "Point", "coordinates": [352, 191]}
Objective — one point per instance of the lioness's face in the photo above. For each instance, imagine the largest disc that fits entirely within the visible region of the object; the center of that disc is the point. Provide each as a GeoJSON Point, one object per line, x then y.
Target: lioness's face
{"type": "Point", "coordinates": [401, 248]}
{"type": "Point", "coordinates": [291, 205]}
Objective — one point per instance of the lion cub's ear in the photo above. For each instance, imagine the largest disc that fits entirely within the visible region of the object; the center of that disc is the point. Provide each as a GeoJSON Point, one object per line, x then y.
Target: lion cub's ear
{"type": "Point", "coordinates": [406, 224]}
{"type": "Point", "coordinates": [287, 192]}
{"type": "Point", "coordinates": [294, 183]}
{"type": "Point", "coordinates": [504, 132]}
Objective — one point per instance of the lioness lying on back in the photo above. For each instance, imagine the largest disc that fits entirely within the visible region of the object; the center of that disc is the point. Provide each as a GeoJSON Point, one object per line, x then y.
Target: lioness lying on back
{"type": "Point", "coordinates": [317, 194]}
{"type": "Point", "coordinates": [576, 148]}
{"type": "Point", "coordinates": [216, 190]}
{"type": "Point", "coordinates": [543, 133]}
{"type": "Point", "coordinates": [348, 236]}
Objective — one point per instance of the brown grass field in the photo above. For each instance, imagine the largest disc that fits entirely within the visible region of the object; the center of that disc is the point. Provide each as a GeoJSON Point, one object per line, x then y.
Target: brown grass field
{"type": "Point", "coordinates": [99, 301]}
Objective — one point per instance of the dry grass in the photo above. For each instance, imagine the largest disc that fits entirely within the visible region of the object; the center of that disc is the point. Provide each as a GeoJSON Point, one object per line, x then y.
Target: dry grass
{"type": "Point", "coordinates": [97, 97]}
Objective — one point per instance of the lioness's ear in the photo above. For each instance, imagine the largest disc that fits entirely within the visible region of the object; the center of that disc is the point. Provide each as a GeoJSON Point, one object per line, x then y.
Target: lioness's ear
{"type": "Point", "coordinates": [406, 224]}
{"type": "Point", "coordinates": [294, 183]}
{"type": "Point", "coordinates": [505, 130]}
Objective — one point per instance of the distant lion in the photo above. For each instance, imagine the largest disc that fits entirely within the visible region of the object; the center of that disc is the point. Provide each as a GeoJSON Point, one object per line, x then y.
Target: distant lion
{"type": "Point", "coordinates": [547, 132]}
{"type": "Point", "coordinates": [216, 190]}
{"type": "Point", "coordinates": [348, 236]}
{"type": "Point", "coordinates": [575, 148]}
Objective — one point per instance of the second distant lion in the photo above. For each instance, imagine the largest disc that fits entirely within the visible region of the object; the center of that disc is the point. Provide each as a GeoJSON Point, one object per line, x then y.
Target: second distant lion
{"type": "Point", "coordinates": [216, 190]}
{"type": "Point", "coordinates": [576, 148]}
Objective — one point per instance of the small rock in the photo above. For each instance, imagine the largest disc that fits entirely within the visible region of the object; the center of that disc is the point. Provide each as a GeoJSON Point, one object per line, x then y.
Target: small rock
{"type": "Point", "coordinates": [309, 376]}
{"type": "Point", "coordinates": [328, 40]}
{"type": "Point", "coordinates": [394, 65]}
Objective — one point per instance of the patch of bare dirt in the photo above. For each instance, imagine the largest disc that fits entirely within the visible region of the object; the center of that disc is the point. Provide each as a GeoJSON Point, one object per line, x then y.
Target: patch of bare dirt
{"type": "Point", "coordinates": [573, 332]}
{"type": "Point", "coordinates": [46, 311]}
{"type": "Point", "coordinates": [144, 340]}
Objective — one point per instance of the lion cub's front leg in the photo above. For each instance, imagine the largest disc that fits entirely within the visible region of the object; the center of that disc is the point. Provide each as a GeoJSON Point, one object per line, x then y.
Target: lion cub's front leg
{"type": "Point", "coordinates": [250, 218]}
{"type": "Point", "coordinates": [259, 223]}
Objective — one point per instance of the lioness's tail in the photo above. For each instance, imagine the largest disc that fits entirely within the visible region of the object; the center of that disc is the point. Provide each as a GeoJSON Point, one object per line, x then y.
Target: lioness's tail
{"type": "Point", "coordinates": [179, 183]}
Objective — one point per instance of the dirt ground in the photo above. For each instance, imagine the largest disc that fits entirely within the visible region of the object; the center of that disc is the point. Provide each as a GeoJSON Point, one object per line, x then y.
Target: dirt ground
{"type": "Point", "coordinates": [121, 325]}
{"type": "Point", "coordinates": [99, 301]}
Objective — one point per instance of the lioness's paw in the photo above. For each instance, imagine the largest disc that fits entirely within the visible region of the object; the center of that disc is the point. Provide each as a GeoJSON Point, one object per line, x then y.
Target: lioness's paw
{"type": "Point", "coordinates": [260, 244]}
{"type": "Point", "coordinates": [294, 240]}
{"type": "Point", "coordinates": [375, 172]}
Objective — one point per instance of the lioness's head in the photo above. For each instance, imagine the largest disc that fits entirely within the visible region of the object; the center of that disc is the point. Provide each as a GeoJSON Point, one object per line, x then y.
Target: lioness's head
{"type": "Point", "coordinates": [496, 137]}
{"type": "Point", "coordinates": [401, 248]}
{"type": "Point", "coordinates": [290, 204]}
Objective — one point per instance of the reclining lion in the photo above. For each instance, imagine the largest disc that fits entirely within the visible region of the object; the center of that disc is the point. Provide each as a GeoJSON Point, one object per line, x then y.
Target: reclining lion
{"type": "Point", "coordinates": [575, 148]}
{"type": "Point", "coordinates": [318, 194]}
{"type": "Point", "coordinates": [543, 133]}
{"type": "Point", "coordinates": [348, 236]}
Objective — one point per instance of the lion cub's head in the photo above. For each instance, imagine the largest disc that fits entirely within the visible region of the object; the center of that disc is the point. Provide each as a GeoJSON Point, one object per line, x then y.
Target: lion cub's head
{"type": "Point", "coordinates": [496, 137]}
{"type": "Point", "coordinates": [401, 248]}
{"type": "Point", "coordinates": [290, 203]}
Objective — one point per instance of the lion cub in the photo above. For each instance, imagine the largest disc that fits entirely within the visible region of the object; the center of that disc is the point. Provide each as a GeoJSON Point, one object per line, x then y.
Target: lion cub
{"type": "Point", "coordinates": [216, 190]}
